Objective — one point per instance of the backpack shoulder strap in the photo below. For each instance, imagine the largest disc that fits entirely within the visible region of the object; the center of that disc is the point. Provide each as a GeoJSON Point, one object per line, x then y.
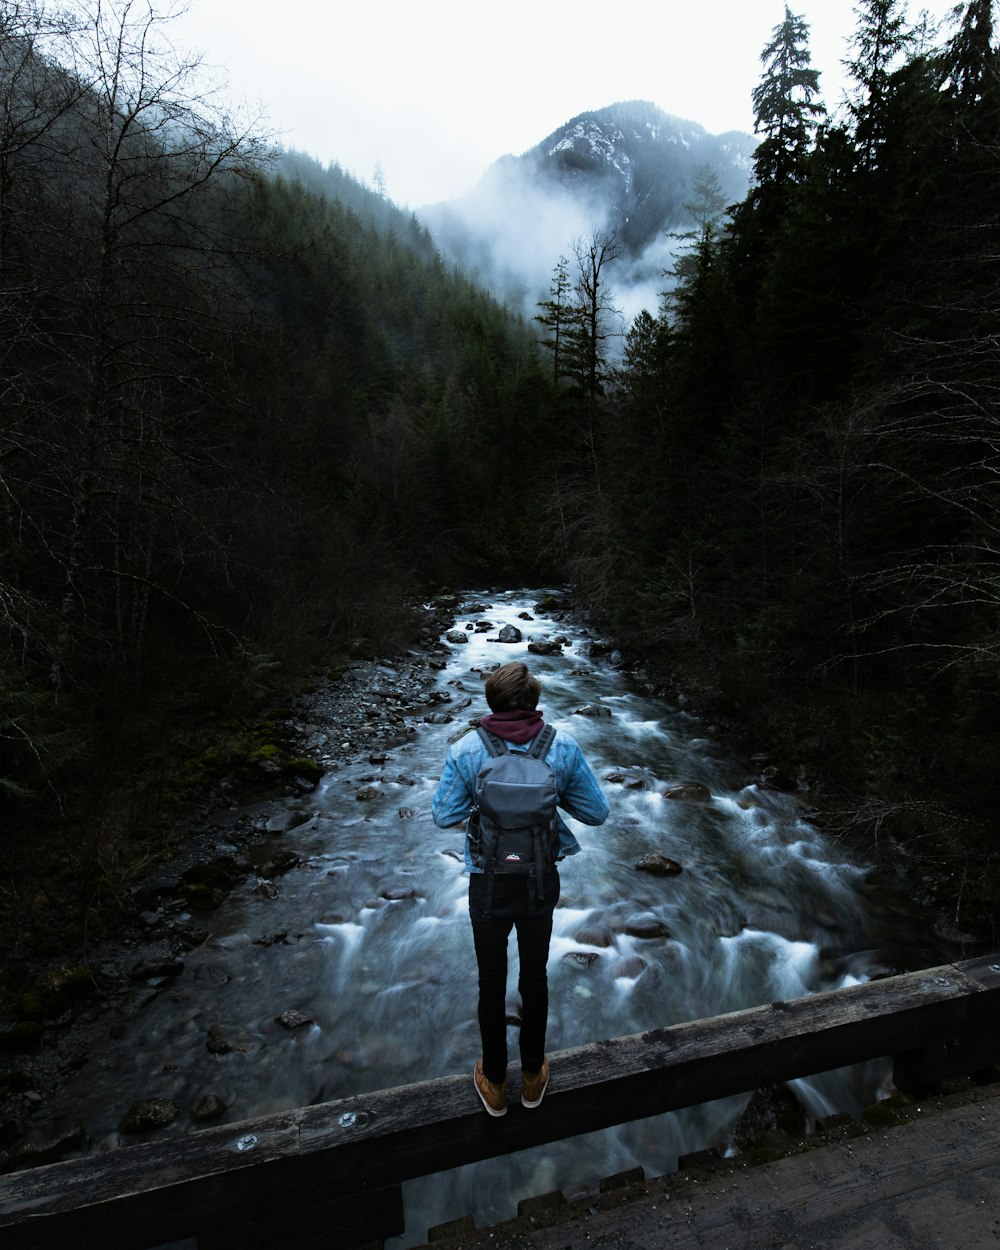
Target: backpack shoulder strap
{"type": "Point", "coordinates": [493, 744]}
{"type": "Point", "coordinates": [543, 740]}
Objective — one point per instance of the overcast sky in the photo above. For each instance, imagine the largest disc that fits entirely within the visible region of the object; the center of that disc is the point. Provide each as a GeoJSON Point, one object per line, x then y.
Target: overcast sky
{"type": "Point", "coordinates": [436, 90]}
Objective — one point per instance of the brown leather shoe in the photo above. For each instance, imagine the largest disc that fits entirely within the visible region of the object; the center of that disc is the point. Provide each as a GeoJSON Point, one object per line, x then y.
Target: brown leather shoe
{"type": "Point", "coordinates": [494, 1097]}
{"type": "Point", "coordinates": [533, 1085]}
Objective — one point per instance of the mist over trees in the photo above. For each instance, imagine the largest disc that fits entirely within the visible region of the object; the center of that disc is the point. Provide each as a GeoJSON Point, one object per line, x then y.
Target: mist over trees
{"type": "Point", "coordinates": [628, 169]}
{"type": "Point", "coordinates": [248, 413]}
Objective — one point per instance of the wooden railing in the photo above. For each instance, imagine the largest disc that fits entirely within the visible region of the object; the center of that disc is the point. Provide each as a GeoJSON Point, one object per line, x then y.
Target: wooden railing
{"type": "Point", "coordinates": [330, 1175]}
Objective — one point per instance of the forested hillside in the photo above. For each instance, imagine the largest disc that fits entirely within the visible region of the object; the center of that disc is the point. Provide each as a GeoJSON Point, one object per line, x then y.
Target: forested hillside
{"type": "Point", "coordinates": [248, 414]}
{"type": "Point", "coordinates": [798, 503]}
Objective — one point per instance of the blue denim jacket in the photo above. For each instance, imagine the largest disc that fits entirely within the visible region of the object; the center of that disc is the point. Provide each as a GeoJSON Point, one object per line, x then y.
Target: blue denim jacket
{"type": "Point", "coordinates": [579, 793]}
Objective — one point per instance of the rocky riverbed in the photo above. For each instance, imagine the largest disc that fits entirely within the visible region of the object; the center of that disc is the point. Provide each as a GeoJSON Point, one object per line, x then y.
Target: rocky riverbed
{"type": "Point", "coordinates": [70, 1008]}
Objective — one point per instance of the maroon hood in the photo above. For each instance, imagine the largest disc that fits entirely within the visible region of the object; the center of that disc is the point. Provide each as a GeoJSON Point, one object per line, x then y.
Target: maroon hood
{"type": "Point", "coordinates": [517, 727]}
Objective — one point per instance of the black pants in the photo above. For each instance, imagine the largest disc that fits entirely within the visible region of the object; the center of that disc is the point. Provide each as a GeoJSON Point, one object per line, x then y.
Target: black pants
{"type": "Point", "coordinates": [509, 910]}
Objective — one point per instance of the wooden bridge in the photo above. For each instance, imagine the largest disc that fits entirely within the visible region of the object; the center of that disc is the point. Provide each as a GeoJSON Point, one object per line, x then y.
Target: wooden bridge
{"type": "Point", "coordinates": [330, 1175]}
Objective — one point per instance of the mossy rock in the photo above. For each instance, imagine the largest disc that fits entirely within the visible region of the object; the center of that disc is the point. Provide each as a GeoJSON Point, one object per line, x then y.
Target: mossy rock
{"type": "Point", "coordinates": [20, 1038]}
{"type": "Point", "coordinates": [267, 752]}
{"type": "Point", "coordinates": [203, 897]}
{"type": "Point", "coordinates": [303, 767]}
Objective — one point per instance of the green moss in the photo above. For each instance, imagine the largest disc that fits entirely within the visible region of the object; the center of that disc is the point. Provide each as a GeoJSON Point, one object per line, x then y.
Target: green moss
{"type": "Point", "coordinates": [203, 897]}
{"type": "Point", "coordinates": [303, 767]}
{"type": "Point", "coordinates": [267, 752]}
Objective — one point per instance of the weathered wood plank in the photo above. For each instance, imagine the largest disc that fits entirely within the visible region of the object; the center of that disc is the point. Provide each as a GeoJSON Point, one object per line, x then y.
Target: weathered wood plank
{"type": "Point", "coordinates": [164, 1191]}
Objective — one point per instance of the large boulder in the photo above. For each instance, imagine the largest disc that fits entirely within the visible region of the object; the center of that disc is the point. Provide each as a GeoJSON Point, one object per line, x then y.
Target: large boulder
{"type": "Point", "coordinates": [659, 865]}
{"type": "Point", "coordinates": [46, 1142]}
{"type": "Point", "coordinates": [510, 633]}
{"type": "Point", "coordinates": [545, 646]}
{"type": "Point", "coordinates": [592, 709]}
{"type": "Point", "coordinates": [646, 927]}
{"type": "Point", "coordinates": [457, 635]}
{"type": "Point", "coordinates": [149, 1113]}
{"type": "Point", "coordinates": [690, 792]}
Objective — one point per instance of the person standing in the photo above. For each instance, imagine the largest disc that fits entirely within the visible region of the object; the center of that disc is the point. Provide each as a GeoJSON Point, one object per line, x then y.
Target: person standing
{"type": "Point", "coordinates": [512, 693]}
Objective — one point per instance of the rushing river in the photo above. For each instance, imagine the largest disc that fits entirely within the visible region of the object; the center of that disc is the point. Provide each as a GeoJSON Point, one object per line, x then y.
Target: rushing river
{"type": "Point", "coordinates": [765, 908]}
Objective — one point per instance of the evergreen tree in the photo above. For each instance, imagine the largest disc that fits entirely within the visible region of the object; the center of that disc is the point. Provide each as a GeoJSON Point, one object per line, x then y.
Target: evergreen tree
{"type": "Point", "coordinates": [557, 317]}
{"type": "Point", "coordinates": [786, 111]}
{"type": "Point", "coordinates": [881, 40]}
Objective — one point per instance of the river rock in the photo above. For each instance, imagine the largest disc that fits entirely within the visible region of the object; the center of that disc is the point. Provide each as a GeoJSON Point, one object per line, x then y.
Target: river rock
{"type": "Point", "coordinates": [646, 927]}
{"type": "Point", "coordinates": [400, 894]}
{"type": "Point", "coordinates": [629, 966]}
{"type": "Point", "coordinates": [483, 627]}
{"type": "Point", "coordinates": [525, 616]}
{"type": "Point", "coordinates": [510, 633]}
{"type": "Point", "coordinates": [46, 1142]}
{"type": "Point", "coordinates": [267, 861]}
{"type": "Point", "coordinates": [690, 792]}
{"type": "Point", "coordinates": [284, 822]}
{"type": "Point", "coordinates": [592, 709]}
{"type": "Point", "coordinates": [157, 969]}
{"type": "Point", "coordinates": [367, 793]}
{"type": "Point", "coordinates": [292, 1019]}
{"type": "Point", "coordinates": [207, 1107]}
{"type": "Point", "coordinates": [407, 813]}
{"type": "Point", "coordinates": [581, 959]}
{"type": "Point", "coordinates": [211, 976]}
{"type": "Point", "coordinates": [457, 635]}
{"type": "Point", "coordinates": [217, 1043]}
{"type": "Point", "coordinates": [512, 1012]}
{"type": "Point", "coordinates": [147, 1114]}
{"type": "Point", "coordinates": [594, 935]}
{"type": "Point", "coordinates": [549, 604]}
{"type": "Point", "coordinates": [774, 779]}
{"type": "Point", "coordinates": [659, 865]}
{"type": "Point", "coordinates": [544, 646]}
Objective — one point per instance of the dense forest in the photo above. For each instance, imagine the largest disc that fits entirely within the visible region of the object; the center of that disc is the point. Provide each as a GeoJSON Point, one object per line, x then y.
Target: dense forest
{"type": "Point", "coordinates": [248, 415]}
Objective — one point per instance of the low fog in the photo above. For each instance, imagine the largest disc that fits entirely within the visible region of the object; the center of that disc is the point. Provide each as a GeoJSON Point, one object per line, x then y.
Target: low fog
{"type": "Point", "coordinates": [627, 169]}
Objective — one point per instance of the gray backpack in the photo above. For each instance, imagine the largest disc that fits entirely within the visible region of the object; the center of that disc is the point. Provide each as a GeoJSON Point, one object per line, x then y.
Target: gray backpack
{"type": "Point", "coordinates": [514, 829]}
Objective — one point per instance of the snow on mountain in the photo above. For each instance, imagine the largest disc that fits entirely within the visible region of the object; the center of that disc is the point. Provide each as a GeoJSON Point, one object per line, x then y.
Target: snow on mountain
{"type": "Point", "coordinates": [629, 167]}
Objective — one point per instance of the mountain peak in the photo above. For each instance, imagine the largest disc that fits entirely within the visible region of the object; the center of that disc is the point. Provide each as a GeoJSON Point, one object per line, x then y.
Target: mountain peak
{"type": "Point", "coordinates": [627, 167]}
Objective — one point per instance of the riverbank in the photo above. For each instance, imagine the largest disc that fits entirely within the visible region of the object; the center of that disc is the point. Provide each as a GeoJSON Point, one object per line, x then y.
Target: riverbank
{"type": "Point", "coordinates": [872, 786]}
{"type": "Point", "coordinates": [59, 1003]}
